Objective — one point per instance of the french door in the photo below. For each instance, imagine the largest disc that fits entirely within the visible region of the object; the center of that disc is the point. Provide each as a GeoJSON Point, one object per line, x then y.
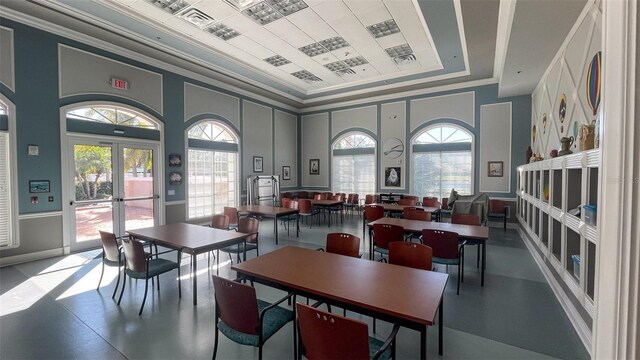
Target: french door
{"type": "Point", "coordinates": [114, 188]}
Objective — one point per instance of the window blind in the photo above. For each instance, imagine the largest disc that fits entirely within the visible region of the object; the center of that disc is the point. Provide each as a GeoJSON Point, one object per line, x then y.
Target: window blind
{"type": "Point", "coordinates": [6, 237]}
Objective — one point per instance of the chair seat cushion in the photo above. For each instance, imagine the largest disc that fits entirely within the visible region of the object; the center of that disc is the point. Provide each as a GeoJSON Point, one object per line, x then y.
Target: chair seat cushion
{"type": "Point", "coordinates": [442, 261]}
{"type": "Point", "coordinates": [375, 345]}
{"type": "Point", "coordinates": [156, 267]}
{"type": "Point", "coordinates": [274, 320]}
{"type": "Point", "coordinates": [239, 249]}
{"type": "Point", "coordinates": [381, 250]}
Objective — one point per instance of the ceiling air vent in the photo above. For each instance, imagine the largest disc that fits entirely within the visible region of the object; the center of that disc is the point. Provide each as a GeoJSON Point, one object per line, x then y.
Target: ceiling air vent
{"type": "Point", "coordinates": [222, 31]}
{"type": "Point", "coordinates": [405, 59]}
{"type": "Point", "coordinates": [384, 28]}
{"type": "Point", "coordinates": [240, 4]}
{"type": "Point", "coordinates": [306, 76]}
{"type": "Point", "coordinates": [346, 73]}
{"type": "Point", "coordinates": [197, 18]}
{"type": "Point", "coordinates": [277, 60]}
{"type": "Point", "coordinates": [170, 6]}
{"type": "Point", "coordinates": [262, 13]}
{"type": "Point", "coordinates": [287, 7]}
{"type": "Point", "coordinates": [356, 61]}
{"type": "Point", "coordinates": [401, 54]}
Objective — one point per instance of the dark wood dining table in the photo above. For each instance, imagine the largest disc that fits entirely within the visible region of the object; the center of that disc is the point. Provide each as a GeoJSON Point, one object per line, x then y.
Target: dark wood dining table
{"type": "Point", "coordinates": [476, 234]}
{"type": "Point", "coordinates": [191, 239]}
{"type": "Point", "coordinates": [327, 204]}
{"type": "Point", "coordinates": [397, 294]}
{"type": "Point", "coordinates": [270, 212]}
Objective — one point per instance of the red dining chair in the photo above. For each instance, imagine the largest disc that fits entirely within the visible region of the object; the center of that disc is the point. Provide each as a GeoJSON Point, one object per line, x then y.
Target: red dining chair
{"type": "Point", "coordinates": [302, 195]}
{"type": "Point", "coordinates": [498, 209]}
{"type": "Point", "coordinates": [446, 250]}
{"type": "Point", "coordinates": [111, 256]}
{"type": "Point", "coordinates": [343, 244]}
{"type": "Point", "coordinates": [371, 213]}
{"type": "Point", "coordinates": [417, 215]}
{"type": "Point", "coordinates": [407, 202]}
{"type": "Point", "coordinates": [245, 319]}
{"type": "Point", "coordinates": [370, 199]}
{"type": "Point", "coordinates": [218, 221]}
{"type": "Point", "coordinates": [351, 203]}
{"type": "Point", "coordinates": [383, 235]}
{"type": "Point", "coordinates": [417, 256]}
{"type": "Point", "coordinates": [324, 335]}
{"type": "Point", "coordinates": [232, 213]}
{"type": "Point", "coordinates": [430, 201]}
{"type": "Point", "coordinates": [291, 204]}
{"type": "Point", "coordinates": [246, 225]}
{"type": "Point", "coordinates": [306, 210]}
{"type": "Point", "coordinates": [469, 219]}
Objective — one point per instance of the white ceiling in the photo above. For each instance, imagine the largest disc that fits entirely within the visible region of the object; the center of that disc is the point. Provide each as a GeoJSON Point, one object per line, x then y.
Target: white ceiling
{"type": "Point", "coordinates": [455, 42]}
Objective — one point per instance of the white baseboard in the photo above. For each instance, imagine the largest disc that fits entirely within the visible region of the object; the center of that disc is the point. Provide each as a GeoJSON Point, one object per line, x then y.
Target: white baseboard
{"type": "Point", "coordinates": [23, 258]}
{"type": "Point", "coordinates": [584, 333]}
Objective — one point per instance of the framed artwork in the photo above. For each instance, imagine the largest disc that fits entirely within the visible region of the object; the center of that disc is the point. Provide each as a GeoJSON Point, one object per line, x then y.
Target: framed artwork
{"type": "Point", "coordinates": [175, 178]}
{"type": "Point", "coordinates": [314, 166]}
{"type": "Point", "coordinates": [175, 160]}
{"type": "Point", "coordinates": [257, 164]}
{"type": "Point", "coordinates": [286, 173]}
{"type": "Point", "coordinates": [495, 169]}
{"type": "Point", "coordinates": [392, 176]}
{"type": "Point", "coordinates": [39, 186]}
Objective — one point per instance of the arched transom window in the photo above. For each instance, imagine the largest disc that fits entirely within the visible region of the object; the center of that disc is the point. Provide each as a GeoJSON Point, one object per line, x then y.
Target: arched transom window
{"type": "Point", "coordinates": [112, 115]}
{"type": "Point", "coordinates": [354, 164]}
{"type": "Point", "coordinates": [442, 161]}
{"type": "Point", "coordinates": [213, 168]}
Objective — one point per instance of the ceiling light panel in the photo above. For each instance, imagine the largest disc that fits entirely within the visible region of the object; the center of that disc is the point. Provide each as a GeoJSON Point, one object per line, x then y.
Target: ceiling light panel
{"type": "Point", "coordinates": [356, 61]}
{"type": "Point", "coordinates": [240, 4]}
{"type": "Point", "coordinates": [385, 28]}
{"type": "Point", "coordinates": [334, 43]}
{"type": "Point", "coordinates": [262, 13]}
{"type": "Point", "coordinates": [170, 6]}
{"type": "Point", "coordinates": [313, 49]}
{"type": "Point", "coordinates": [287, 7]}
{"type": "Point", "coordinates": [306, 76]}
{"type": "Point", "coordinates": [277, 60]}
{"type": "Point", "coordinates": [336, 66]}
{"type": "Point", "coordinates": [400, 50]}
{"type": "Point", "coordinates": [222, 31]}
{"type": "Point", "coordinates": [197, 18]}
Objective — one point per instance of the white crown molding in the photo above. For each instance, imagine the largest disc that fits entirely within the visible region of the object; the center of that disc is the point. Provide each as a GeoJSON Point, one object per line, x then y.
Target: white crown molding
{"type": "Point", "coordinates": [398, 96]}
{"type": "Point", "coordinates": [505, 24]}
{"type": "Point", "coordinates": [463, 38]}
{"type": "Point", "coordinates": [107, 46]}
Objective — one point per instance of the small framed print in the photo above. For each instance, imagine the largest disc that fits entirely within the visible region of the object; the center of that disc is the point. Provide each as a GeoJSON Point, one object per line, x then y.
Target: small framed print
{"type": "Point", "coordinates": [175, 178]}
{"type": "Point", "coordinates": [314, 166]}
{"type": "Point", "coordinates": [257, 164]}
{"type": "Point", "coordinates": [286, 173]}
{"type": "Point", "coordinates": [495, 169]}
{"type": "Point", "coordinates": [175, 160]}
{"type": "Point", "coordinates": [39, 186]}
{"type": "Point", "coordinates": [392, 176]}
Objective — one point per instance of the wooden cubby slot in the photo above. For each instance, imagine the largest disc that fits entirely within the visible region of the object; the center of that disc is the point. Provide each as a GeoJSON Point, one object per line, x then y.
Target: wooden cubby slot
{"type": "Point", "coordinates": [545, 185]}
{"type": "Point", "coordinates": [556, 241]}
{"type": "Point", "coordinates": [536, 185]}
{"type": "Point", "coordinates": [572, 248]}
{"type": "Point", "coordinates": [593, 186]}
{"type": "Point", "coordinates": [591, 268]}
{"type": "Point", "coordinates": [574, 188]}
{"type": "Point", "coordinates": [556, 189]}
{"type": "Point", "coordinates": [544, 236]}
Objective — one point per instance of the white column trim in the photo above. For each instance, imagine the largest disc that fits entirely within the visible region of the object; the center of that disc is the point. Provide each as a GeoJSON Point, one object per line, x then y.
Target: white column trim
{"type": "Point", "coordinates": [618, 260]}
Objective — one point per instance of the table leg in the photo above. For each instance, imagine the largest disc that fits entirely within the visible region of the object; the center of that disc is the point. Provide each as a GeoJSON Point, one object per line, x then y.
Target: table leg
{"type": "Point", "coordinates": [484, 262]}
{"type": "Point", "coordinates": [275, 227]}
{"type": "Point", "coordinates": [244, 256]}
{"type": "Point", "coordinates": [440, 326]}
{"type": "Point", "coordinates": [423, 343]}
{"type": "Point", "coordinates": [370, 245]}
{"type": "Point", "coordinates": [194, 262]}
{"type": "Point", "coordinates": [298, 225]}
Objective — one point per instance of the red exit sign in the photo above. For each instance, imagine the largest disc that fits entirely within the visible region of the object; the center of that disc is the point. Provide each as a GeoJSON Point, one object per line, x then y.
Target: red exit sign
{"type": "Point", "coordinates": [119, 84]}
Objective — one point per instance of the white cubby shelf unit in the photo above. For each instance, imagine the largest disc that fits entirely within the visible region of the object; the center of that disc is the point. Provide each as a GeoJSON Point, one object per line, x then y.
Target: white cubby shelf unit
{"type": "Point", "coordinates": [571, 181]}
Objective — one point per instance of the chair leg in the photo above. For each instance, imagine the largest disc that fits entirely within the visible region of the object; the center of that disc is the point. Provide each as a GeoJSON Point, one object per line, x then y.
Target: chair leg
{"type": "Point", "coordinates": [478, 256]}
{"type": "Point", "coordinates": [117, 282]}
{"type": "Point", "coordinates": [505, 222]}
{"type": "Point", "coordinates": [260, 352]}
{"type": "Point", "coordinates": [101, 273]}
{"type": "Point", "coordinates": [215, 343]}
{"type": "Point", "coordinates": [144, 298]}
{"type": "Point", "coordinates": [374, 325]}
{"type": "Point", "coordinates": [124, 283]}
{"type": "Point", "coordinates": [458, 290]}
{"type": "Point", "coordinates": [217, 262]}
{"type": "Point", "coordinates": [179, 283]}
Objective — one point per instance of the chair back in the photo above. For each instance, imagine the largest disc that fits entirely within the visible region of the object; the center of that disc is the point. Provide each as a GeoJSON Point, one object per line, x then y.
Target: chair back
{"type": "Point", "coordinates": [110, 246]}
{"type": "Point", "coordinates": [373, 212]}
{"type": "Point", "coordinates": [303, 195]}
{"type": "Point", "coordinates": [330, 336]}
{"type": "Point", "coordinates": [404, 253]}
{"type": "Point", "coordinates": [249, 225]}
{"type": "Point", "coordinates": [293, 204]}
{"type": "Point", "coordinates": [352, 199]}
{"type": "Point", "coordinates": [305, 207]}
{"type": "Point", "coordinates": [445, 203]}
{"type": "Point", "coordinates": [443, 243]}
{"type": "Point", "coordinates": [337, 197]}
{"type": "Point", "coordinates": [465, 219]}
{"type": "Point", "coordinates": [417, 215]}
{"type": "Point", "coordinates": [430, 201]}
{"type": "Point", "coordinates": [343, 244]}
{"type": "Point", "coordinates": [498, 207]}
{"type": "Point", "coordinates": [369, 199]}
{"type": "Point", "coordinates": [407, 201]}
{"type": "Point", "coordinates": [135, 258]}
{"type": "Point", "coordinates": [220, 221]}
{"type": "Point", "coordinates": [327, 195]}
{"type": "Point", "coordinates": [237, 305]}
{"type": "Point", "coordinates": [232, 213]}
{"type": "Point", "coordinates": [383, 234]}
{"type": "Point", "coordinates": [319, 197]}
{"type": "Point", "coordinates": [284, 202]}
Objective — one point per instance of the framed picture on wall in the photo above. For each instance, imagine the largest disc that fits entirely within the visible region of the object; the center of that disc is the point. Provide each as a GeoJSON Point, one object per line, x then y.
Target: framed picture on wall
{"type": "Point", "coordinates": [286, 173]}
{"type": "Point", "coordinates": [39, 186]}
{"type": "Point", "coordinates": [175, 178]}
{"type": "Point", "coordinates": [175, 160]}
{"type": "Point", "coordinates": [495, 169]}
{"type": "Point", "coordinates": [392, 176]}
{"type": "Point", "coordinates": [257, 164]}
{"type": "Point", "coordinates": [314, 166]}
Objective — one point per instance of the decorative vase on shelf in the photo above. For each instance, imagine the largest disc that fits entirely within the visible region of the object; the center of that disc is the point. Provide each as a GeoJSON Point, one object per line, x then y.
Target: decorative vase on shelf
{"type": "Point", "coordinates": [566, 143]}
{"type": "Point", "coordinates": [528, 154]}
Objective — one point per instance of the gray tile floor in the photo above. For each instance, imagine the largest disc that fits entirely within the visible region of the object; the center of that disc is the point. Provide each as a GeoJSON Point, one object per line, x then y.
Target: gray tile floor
{"type": "Point", "coordinates": [50, 309]}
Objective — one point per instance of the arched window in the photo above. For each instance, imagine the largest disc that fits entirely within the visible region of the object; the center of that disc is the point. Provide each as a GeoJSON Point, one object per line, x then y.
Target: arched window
{"type": "Point", "coordinates": [213, 168]}
{"type": "Point", "coordinates": [7, 226]}
{"type": "Point", "coordinates": [112, 115]}
{"type": "Point", "coordinates": [442, 160]}
{"type": "Point", "coordinates": [354, 164]}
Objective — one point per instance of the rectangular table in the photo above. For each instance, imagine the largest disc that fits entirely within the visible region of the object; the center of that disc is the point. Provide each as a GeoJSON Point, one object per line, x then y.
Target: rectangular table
{"type": "Point", "coordinates": [270, 212]}
{"type": "Point", "coordinates": [326, 204]}
{"type": "Point", "coordinates": [477, 234]}
{"type": "Point", "coordinates": [401, 295]}
{"type": "Point", "coordinates": [191, 239]}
